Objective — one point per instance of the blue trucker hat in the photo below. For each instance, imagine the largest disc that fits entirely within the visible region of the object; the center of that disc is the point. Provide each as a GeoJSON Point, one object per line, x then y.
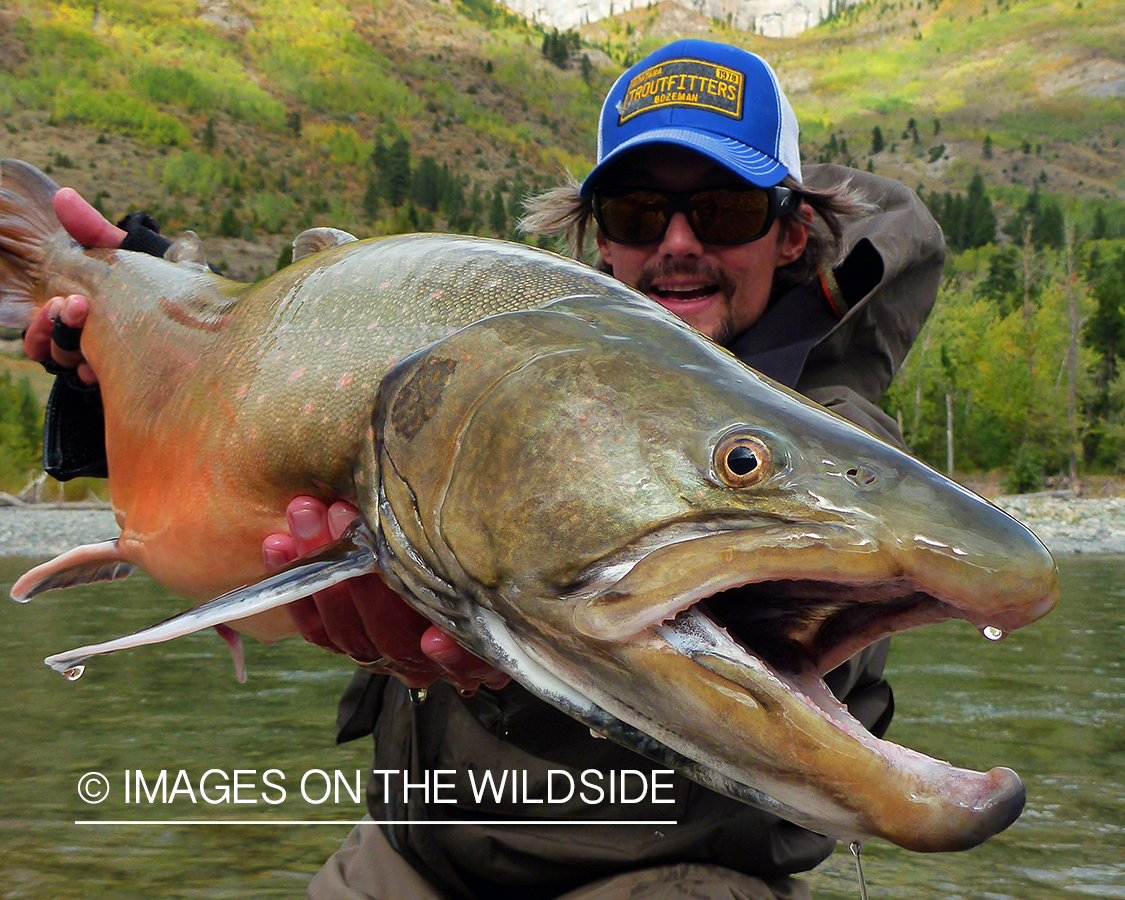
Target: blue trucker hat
{"type": "Point", "coordinates": [717, 100]}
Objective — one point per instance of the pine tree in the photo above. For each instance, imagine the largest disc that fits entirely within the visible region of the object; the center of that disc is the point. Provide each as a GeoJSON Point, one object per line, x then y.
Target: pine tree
{"type": "Point", "coordinates": [980, 219]}
{"type": "Point", "coordinates": [476, 209]}
{"type": "Point", "coordinates": [1049, 228]}
{"type": "Point", "coordinates": [498, 213]}
{"type": "Point", "coordinates": [515, 200]}
{"type": "Point", "coordinates": [210, 140]}
{"type": "Point", "coordinates": [955, 222]}
{"type": "Point", "coordinates": [394, 175]}
{"type": "Point", "coordinates": [426, 187]}
{"type": "Point", "coordinates": [1100, 226]}
{"type": "Point", "coordinates": [1104, 331]}
{"type": "Point", "coordinates": [877, 143]}
{"type": "Point", "coordinates": [1002, 284]}
{"type": "Point", "coordinates": [229, 226]}
{"type": "Point", "coordinates": [371, 199]}
{"type": "Point", "coordinates": [556, 47]}
{"type": "Point", "coordinates": [285, 257]}
{"type": "Point", "coordinates": [378, 157]}
{"type": "Point", "coordinates": [453, 199]}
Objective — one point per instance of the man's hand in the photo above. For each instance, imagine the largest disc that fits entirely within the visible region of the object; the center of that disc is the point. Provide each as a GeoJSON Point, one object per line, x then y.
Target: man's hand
{"type": "Point", "coordinates": [91, 229]}
{"type": "Point", "coordinates": [365, 619]}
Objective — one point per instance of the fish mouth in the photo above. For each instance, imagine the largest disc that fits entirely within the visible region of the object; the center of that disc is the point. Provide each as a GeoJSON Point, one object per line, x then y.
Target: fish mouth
{"type": "Point", "coordinates": [790, 603]}
{"type": "Point", "coordinates": [795, 625]}
{"type": "Point", "coordinates": [798, 593]}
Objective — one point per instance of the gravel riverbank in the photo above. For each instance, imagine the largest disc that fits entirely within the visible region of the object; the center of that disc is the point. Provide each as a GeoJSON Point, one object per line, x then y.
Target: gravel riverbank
{"type": "Point", "coordinates": [1069, 525]}
{"type": "Point", "coordinates": [1066, 525]}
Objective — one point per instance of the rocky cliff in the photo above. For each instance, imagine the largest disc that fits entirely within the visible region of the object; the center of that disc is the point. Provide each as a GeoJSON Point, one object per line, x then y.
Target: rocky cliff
{"type": "Point", "coordinates": [773, 18]}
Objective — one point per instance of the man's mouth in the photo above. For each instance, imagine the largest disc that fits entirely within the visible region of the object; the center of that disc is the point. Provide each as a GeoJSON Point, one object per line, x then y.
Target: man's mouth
{"type": "Point", "coordinates": [676, 286]}
{"type": "Point", "coordinates": [683, 293]}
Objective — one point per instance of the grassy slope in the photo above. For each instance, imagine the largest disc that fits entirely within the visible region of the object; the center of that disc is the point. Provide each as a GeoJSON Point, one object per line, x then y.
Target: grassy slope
{"type": "Point", "coordinates": [124, 90]}
{"type": "Point", "coordinates": [1017, 72]}
{"type": "Point", "coordinates": [115, 97]}
{"type": "Point", "coordinates": [125, 94]}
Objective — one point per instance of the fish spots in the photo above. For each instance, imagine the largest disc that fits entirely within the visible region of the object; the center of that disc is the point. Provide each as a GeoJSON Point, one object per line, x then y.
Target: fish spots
{"type": "Point", "coordinates": [417, 398]}
{"type": "Point", "coordinates": [242, 391]}
{"type": "Point", "coordinates": [309, 407]}
{"type": "Point", "coordinates": [346, 380]}
{"type": "Point", "coordinates": [297, 373]}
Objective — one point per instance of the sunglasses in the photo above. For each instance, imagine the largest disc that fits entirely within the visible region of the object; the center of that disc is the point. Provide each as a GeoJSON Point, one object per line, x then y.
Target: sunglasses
{"type": "Point", "coordinates": [718, 215]}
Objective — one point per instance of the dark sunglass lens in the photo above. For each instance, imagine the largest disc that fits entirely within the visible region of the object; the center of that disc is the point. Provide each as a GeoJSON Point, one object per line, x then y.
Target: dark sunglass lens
{"type": "Point", "coordinates": [724, 216]}
{"type": "Point", "coordinates": [636, 218]}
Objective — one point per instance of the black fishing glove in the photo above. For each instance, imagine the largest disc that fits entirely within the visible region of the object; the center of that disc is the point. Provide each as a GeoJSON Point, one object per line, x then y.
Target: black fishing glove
{"type": "Point", "coordinates": [74, 422]}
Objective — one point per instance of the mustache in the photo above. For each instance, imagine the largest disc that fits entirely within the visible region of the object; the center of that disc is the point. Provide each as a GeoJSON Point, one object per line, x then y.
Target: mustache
{"type": "Point", "coordinates": [704, 272]}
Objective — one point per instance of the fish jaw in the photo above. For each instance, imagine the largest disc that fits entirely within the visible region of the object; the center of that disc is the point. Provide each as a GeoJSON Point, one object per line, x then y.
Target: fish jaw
{"type": "Point", "coordinates": [799, 599]}
{"type": "Point", "coordinates": [689, 696]}
{"type": "Point", "coordinates": [756, 718]}
{"type": "Point", "coordinates": [784, 736]}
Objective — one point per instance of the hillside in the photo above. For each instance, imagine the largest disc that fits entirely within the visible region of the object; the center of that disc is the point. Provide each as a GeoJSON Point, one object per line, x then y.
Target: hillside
{"type": "Point", "coordinates": [1045, 81]}
{"type": "Point", "coordinates": [250, 120]}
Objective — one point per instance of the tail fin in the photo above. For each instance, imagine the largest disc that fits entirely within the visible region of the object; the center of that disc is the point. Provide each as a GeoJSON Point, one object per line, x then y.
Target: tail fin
{"type": "Point", "coordinates": [27, 220]}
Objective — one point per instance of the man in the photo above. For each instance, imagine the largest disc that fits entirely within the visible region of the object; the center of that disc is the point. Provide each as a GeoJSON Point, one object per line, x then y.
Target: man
{"type": "Point", "coordinates": [699, 202]}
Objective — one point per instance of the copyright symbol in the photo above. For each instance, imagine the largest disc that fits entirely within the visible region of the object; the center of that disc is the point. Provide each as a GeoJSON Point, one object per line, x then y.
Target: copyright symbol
{"type": "Point", "coordinates": [93, 787]}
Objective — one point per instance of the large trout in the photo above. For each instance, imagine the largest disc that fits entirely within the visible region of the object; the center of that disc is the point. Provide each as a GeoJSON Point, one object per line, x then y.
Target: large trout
{"type": "Point", "coordinates": [582, 489]}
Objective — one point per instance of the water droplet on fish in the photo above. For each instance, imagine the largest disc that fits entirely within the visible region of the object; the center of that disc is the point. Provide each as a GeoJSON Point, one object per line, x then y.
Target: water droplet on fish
{"type": "Point", "coordinates": [660, 834]}
{"type": "Point", "coordinates": [418, 695]}
{"type": "Point", "coordinates": [992, 633]}
{"type": "Point", "coordinates": [856, 847]}
{"type": "Point", "coordinates": [597, 735]}
{"type": "Point", "coordinates": [74, 674]}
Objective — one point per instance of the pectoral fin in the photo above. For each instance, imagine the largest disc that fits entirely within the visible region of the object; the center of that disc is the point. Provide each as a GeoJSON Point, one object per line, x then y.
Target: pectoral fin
{"type": "Point", "coordinates": [353, 554]}
{"type": "Point", "coordinates": [87, 564]}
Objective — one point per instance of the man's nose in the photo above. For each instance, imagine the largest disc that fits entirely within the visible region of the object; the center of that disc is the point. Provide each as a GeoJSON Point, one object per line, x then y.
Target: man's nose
{"type": "Point", "coordinates": [679, 239]}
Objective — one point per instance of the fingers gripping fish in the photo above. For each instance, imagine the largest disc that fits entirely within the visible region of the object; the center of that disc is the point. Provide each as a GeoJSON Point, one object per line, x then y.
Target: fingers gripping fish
{"type": "Point", "coordinates": [580, 488]}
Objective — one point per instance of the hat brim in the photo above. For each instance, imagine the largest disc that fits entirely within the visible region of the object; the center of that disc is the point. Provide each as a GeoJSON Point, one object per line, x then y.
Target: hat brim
{"type": "Point", "coordinates": [747, 163]}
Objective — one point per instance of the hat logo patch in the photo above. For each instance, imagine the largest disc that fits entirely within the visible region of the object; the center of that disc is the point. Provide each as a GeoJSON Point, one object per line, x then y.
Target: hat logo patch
{"type": "Point", "coordinates": [686, 83]}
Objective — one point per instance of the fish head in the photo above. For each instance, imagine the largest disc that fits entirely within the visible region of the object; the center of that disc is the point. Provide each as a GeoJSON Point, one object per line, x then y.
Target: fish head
{"type": "Point", "coordinates": [674, 549]}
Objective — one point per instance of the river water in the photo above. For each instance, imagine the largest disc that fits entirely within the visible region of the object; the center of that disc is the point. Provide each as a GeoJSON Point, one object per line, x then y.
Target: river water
{"type": "Point", "coordinates": [1046, 701]}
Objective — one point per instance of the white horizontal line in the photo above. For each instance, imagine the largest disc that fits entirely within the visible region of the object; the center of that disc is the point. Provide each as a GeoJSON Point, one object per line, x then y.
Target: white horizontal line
{"type": "Point", "coordinates": [369, 822]}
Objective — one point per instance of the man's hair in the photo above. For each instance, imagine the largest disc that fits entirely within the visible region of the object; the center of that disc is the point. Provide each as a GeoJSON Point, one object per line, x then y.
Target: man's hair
{"type": "Point", "coordinates": [562, 213]}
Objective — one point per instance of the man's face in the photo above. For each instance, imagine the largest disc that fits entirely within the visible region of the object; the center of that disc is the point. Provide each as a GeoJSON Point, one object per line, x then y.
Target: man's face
{"type": "Point", "coordinates": [719, 289]}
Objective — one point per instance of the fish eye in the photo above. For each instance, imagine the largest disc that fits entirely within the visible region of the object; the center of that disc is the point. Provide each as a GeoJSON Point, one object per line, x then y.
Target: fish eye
{"type": "Point", "coordinates": [741, 460]}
